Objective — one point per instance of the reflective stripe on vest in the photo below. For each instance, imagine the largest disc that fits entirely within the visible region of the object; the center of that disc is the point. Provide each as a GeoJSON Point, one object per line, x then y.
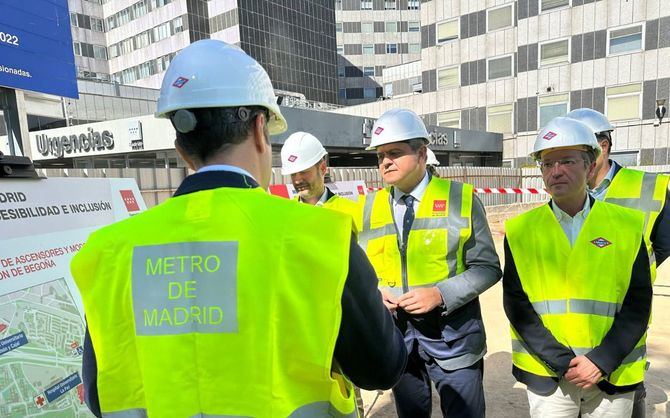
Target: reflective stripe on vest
{"type": "Point", "coordinates": [317, 409]}
{"type": "Point", "coordinates": [226, 324]}
{"type": "Point", "coordinates": [642, 191]}
{"type": "Point", "coordinates": [577, 290]}
{"type": "Point", "coordinates": [440, 229]}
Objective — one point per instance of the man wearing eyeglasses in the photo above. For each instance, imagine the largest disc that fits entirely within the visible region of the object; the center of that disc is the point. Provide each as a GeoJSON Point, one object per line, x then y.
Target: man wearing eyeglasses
{"type": "Point", "coordinates": [635, 189]}
{"type": "Point", "coordinates": [576, 287]}
{"type": "Point", "coordinates": [433, 253]}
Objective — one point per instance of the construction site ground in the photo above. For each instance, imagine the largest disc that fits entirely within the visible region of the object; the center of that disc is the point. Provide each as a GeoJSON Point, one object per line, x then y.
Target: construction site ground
{"type": "Point", "coordinates": [507, 398]}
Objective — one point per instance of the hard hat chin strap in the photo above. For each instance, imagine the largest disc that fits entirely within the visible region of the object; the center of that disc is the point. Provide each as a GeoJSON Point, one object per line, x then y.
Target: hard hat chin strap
{"type": "Point", "coordinates": [185, 120]}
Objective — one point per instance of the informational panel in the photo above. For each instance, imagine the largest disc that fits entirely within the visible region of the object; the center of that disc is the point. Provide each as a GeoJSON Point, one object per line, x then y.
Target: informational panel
{"type": "Point", "coordinates": [36, 47]}
{"type": "Point", "coordinates": [349, 189]}
{"type": "Point", "coordinates": [43, 223]}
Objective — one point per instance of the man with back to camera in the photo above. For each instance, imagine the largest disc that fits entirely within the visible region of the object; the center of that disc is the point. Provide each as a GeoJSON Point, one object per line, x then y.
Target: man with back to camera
{"type": "Point", "coordinates": [204, 305]}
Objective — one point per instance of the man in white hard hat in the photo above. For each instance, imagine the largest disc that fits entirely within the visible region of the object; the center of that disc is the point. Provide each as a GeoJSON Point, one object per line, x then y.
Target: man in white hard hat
{"type": "Point", "coordinates": [635, 189]}
{"type": "Point", "coordinates": [431, 246]}
{"type": "Point", "coordinates": [304, 159]}
{"type": "Point", "coordinates": [431, 163]}
{"type": "Point", "coordinates": [576, 287]}
{"type": "Point", "coordinates": [204, 305]}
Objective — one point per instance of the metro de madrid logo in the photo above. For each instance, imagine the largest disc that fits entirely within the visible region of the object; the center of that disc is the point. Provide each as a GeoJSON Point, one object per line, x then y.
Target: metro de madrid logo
{"type": "Point", "coordinates": [601, 242]}
{"type": "Point", "coordinates": [179, 82]}
{"type": "Point", "coordinates": [549, 135]}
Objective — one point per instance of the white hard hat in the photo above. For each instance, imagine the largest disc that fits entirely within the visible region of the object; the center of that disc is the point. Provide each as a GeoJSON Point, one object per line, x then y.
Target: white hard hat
{"type": "Point", "coordinates": [212, 73]}
{"type": "Point", "coordinates": [397, 125]}
{"type": "Point", "coordinates": [562, 132]}
{"type": "Point", "coordinates": [432, 159]}
{"type": "Point", "coordinates": [591, 118]}
{"type": "Point", "coordinates": [300, 151]}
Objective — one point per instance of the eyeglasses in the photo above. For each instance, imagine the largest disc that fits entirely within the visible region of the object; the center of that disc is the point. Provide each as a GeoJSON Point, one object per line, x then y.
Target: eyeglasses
{"type": "Point", "coordinates": [391, 155]}
{"type": "Point", "coordinates": [563, 162]}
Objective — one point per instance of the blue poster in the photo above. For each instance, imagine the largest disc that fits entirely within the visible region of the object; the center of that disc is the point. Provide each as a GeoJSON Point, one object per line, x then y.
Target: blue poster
{"type": "Point", "coordinates": [36, 47]}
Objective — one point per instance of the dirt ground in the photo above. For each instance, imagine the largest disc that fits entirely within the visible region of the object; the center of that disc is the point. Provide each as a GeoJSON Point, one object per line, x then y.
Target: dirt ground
{"type": "Point", "coordinates": [507, 398]}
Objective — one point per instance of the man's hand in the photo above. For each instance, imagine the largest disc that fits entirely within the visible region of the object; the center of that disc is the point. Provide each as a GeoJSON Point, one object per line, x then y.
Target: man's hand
{"type": "Point", "coordinates": [582, 372]}
{"type": "Point", "coordinates": [389, 300]}
{"type": "Point", "coordinates": [419, 301]}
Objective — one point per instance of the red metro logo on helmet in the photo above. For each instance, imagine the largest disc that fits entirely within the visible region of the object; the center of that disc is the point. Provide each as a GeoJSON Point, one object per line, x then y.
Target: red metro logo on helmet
{"type": "Point", "coordinates": [549, 135]}
{"type": "Point", "coordinates": [179, 82]}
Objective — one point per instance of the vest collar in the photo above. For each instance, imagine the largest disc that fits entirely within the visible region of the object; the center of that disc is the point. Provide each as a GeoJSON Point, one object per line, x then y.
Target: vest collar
{"type": "Point", "coordinates": [208, 180]}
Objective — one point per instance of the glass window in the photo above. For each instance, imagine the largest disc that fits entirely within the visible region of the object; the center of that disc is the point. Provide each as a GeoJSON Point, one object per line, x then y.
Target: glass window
{"type": "Point", "coordinates": [340, 49]}
{"type": "Point", "coordinates": [366, 4]}
{"type": "Point", "coordinates": [340, 71]}
{"type": "Point", "coordinates": [625, 40]}
{"type": "Point", "coordinates": [97, 24]}
{"type": "Point", "coordinates": [99, 52]}
{"type": "Point", "coordinates": [553, 4]}
{"type": "Point", "coordinates": [447, 31]}
{"type": "Point", "coordinates": [499, 118]}
{"type": "Point", "coordinates": [389, 4]}
{"type": "Point", "coordinates": [114, 50]}
{"type": "Point", "coordinates": [623, 102]}
{"type": "Point", "coordinates": [391, 26]}
{"type": "Point", "coordinates": [500, 67]}
{"type": "Point", "coordinates": [388, 90]}
{"type": "Point", "coordinates": [343, 93]}
{"type": "Point", "coordinates": [338, 27]}
{"type": "Point", "coordinates": [414, 48]}
{"type": "Point", "coordinates": [414, 26]}
{"type": "Point", "coordinates": [413, 4]}
{"type": "Point", "coordinates": [447, 78]}
{"type": "Point", "coordinates": [369, 92]}
{"type": "Point", "coordinates": [449, 119]}
{"type": "Point", "coordinates": [554, 52]}
{"type": "Point", "coordinates": [338, 4]}
{"type": "Point", "coordinates": [77, 48]}
{"type": "Point", "coordinates": [551, 107]}
{"type": "Point", "coordinates": [73, 19]}
{"type": "Point", "coordinates": [367, 27]}
{"type": "Point", "coordinates": [368, 49]}
{"type": "Point", "coordinates": [391, 48]}
{"type": "Point", "coordinates": [369, 71]}
{"type": "Point", "coordinates": [500, 18]}
{"type": "Point", "coordinates": [177, 25]}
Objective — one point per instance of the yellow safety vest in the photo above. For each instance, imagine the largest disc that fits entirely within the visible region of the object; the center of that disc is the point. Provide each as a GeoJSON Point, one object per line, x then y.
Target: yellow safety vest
{"type": "Point", "coordinates": [434, 249]}
{"type": "Point", "coordinates": [577, 290]}
{"type": "Point", "coordinates": [642, 191]}
{"type": "Point", "coordinates": [343, 205]}
{"type": "Point", "coordinates": [207, 305]}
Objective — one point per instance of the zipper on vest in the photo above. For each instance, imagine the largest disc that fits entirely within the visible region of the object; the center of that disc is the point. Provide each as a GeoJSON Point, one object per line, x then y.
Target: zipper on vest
{"type": "Point", "coordinates": [403, 266]}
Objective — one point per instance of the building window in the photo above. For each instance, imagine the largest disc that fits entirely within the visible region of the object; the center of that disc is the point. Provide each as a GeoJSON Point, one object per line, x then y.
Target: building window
{"type": "Point", "coordinates": [77, 48]}
{"type": "Point", "coordinates": [447, 78]}
{"type": "Point", "coordinates": [625, 40]}
{"type": "Point", "coordinates": [97, 25]}
{"type": "Point", "coordinates": [99, 52]}
{"type": "Point", "coordinates": [553, 4]}
{"type": "Point", "coordinates": [499, 119]}
{"type": "Point", "coordinates": [500, 18]}
{"type": "Point", "coordinates": [391, 48]}
{"type": "Point", "coordinates": [366, 4]}
{"type": "Point", "coordinates": [551, 107]}
{"type": "Point", "coordinates": [368, 49]}
{"type": "Point", "coordinates": [449, 119]}
{"type": "Point", "coordinates": [338, 27]}
{"type": "Point", "coordinates": [417, 84]}
{"type": "Point", "coordinates": [113, 50]}
{"type": "Point", "coordinates": [338, 4]}
{"type": "Point", "coordinates": [554, 52]}
{"type": "Point", "coordinates": [340, 49]}
{"type": "Point", "coordinates": [500, 67]}
{"type": "Point", "coordinates": [389, 4]}
{"type": "Point", "coordinates": [367, 27]}
{"type": "Point", "coordinates": [73, 19]}
{"type": "Point", "coordinates": [369, 93]}
{"type": "Point", "coordinates": [369, 71]}
{"type": "Point", "coordinates": [388, 90]}
{"type": "Point", "coordinates": [624, 102]}
{"type": "Point", "coordinates": [343, 94]}
{"type": "Point", "coordinates": [391, 26]}
{"type": "Point", "coordinates": [447, 31]}
{"type": "Point", "coordinates": [414, 48]}
{"type": "Point", "coordinates": [413, 4]}
{"type": "Point", "coordinates": [340, 71]}
{"type": "Point", "coordinates": [414, 26]}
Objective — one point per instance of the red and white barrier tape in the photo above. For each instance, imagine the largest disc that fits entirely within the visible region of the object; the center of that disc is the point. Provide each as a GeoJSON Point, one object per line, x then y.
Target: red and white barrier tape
{"type": "Point", "coordinates": [494, 190]}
